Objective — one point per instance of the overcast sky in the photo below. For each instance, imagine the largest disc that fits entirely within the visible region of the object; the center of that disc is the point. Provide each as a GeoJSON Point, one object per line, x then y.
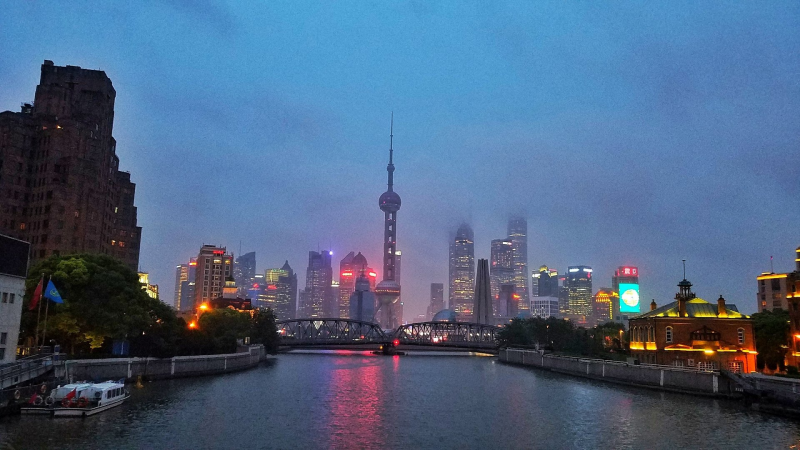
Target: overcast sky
{"type": "Point", "coordinates": [628, 133]}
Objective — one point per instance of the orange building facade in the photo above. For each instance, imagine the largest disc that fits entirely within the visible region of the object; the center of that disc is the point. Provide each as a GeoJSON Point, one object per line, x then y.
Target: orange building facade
{"type": "Point", "coordinates": [691, 332]}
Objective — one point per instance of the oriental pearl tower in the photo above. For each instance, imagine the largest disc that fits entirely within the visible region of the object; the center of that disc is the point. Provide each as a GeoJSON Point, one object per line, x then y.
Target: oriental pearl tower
{"type": "Point", "coordinates": [388, 290]}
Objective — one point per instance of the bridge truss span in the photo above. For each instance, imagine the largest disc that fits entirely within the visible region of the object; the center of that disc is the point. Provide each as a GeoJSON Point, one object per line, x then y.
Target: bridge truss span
{"type": "Point", "coordinates": [448, 334]}
{"type": "Point", "coordinates": [322, 331]}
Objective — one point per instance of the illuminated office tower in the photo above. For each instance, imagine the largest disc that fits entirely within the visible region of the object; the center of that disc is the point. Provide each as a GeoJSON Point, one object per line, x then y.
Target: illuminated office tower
{"type": "Point", "coordinates": [281, 291]}
{"type": "Point", "coordinates": [214, 266]}
{"type": "Point", "coordinates": [319, 301]}
{"type": "Point", "coordinates": [603, 306]}
{"type": "Point", "coordinates": [244, 270]}
{"type": "Point", "coordinates": [188, 287]}
{"type": "Point", "coordinates": [437, 300]}
{"type": "Point", "coordinates": [518, 234]}
{"type": "Point", "coordinates": [181, 275]}
{"type": "Point", "coordinates": [579, 284]}
{"type": "Point", "coordinates": [462, 273]}
{"type": "Point", "coordinates": [563, 295]}
{"type": "Point", "coordinates": [778, 290]}
{"type": "Point", "coordinates": [507, 303]}
{"type": "Point", "coordinates": [535, 284]}
{"type": "Point", "coordinates": [625, 284]}
{"type": "Point", "coordinates": [502, 268]}
{"type": "Point", "coordinates": [398, 305]}
{"type": "Point", "coordinates": [350, 268]}
{"type": "Point", "coordinates": [362, 301]}
{"type": "Point", "coordinates": [546, 282]}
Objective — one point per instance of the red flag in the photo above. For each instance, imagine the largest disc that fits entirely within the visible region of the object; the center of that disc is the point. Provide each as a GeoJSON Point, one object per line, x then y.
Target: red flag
{"type": "Point", "coordinates": [71, 395]}
{"type": "Point", "coordinates": [33, 398]}
{"type": "Point", "coordinates": [37, 294]}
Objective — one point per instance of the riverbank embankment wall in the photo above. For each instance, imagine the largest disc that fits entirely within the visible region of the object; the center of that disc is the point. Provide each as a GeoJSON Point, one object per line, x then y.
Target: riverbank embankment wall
{"type": "Point", "coordinates": [665, 378]}
{"type": "Point", "coordinates": [158, 368]}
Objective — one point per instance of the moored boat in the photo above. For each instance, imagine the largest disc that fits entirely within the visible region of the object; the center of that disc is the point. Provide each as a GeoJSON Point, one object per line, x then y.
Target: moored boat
{"type": "Point", "coordinates": [80, 399]}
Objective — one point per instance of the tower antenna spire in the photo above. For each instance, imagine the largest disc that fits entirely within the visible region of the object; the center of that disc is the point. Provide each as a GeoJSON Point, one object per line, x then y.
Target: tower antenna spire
{"type": "Point", "coordinates": [391, 137]}
{"type": "Point", "coordinates": [684, 269]}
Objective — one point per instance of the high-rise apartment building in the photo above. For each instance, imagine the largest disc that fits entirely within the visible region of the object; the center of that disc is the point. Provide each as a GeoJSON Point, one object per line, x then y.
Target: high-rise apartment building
{"type": "Point", "coordinates": [398, 305]}
{"type": "Point", "coordinates": [775, 290]}
{"type": "Point", "coordinates": [318, 292]}
{"type": "Point", "coordinates": [244, 270]}
{"type": "Point", "coordinates": [214, 267]}
{"type": "Point", "coordinates": [350, 268]}
{"type": "Point", "coordinates": [579, 285]}
{"type": "Point", "coordinates": [501, 270]}
{"type": "Point", "coordinates": [437, 300]}
{"type": "Point", "coordinates": [60, 184]}
{"type": "Point", "coordinates": [518, 234]}
{"type": "Point", "coordinates": [462, 272]}
{"type": "Point", "coordinates": [362, 301]}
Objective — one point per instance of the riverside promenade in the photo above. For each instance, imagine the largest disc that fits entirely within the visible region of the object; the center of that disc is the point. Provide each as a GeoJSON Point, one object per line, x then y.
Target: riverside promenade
{"type": "Point", "coordinates": [159, 368]}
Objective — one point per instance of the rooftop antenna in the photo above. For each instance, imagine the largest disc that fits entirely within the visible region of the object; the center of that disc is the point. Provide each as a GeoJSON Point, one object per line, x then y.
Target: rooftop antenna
{"type": "Point", "coordinates": [684, 269]}
{"type": "Point", "coordinates": [771, 269]}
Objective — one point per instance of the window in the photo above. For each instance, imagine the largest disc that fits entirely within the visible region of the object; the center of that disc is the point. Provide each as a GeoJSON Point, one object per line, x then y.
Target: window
{"type": "Point", "coordinates": [3, 338]}
{"type": "Point", "coordinates": [706, 365]}
{"type": "Point", "coordinates": [5, 297]}
{"type": "Point", "coordinates": [11, 297]}
{"type": "Point", "coordinates": [2, 354]}
{"type": "Point", "coordinates": [740, 332]}
{"type": "Point", "coordinates": [668, 334]}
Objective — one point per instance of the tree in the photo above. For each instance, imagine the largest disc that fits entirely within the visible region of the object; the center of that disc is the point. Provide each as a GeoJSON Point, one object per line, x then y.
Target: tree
{"type": "Point", "coordinates": [103, 300]}
{"type": "Point", "coordinates": [264, 330]}
{"type": "Point", "coordinates": [224, 326]}
{"type": "Point", "coordinates": [772, 336]}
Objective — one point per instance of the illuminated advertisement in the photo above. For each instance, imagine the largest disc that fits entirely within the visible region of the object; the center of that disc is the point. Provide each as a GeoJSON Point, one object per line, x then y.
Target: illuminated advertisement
{"type": "Point", "coordinates": [628, 298]}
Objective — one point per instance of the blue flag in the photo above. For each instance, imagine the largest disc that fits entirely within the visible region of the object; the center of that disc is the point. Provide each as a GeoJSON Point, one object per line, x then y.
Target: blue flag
{"type": "Point", "coordinates": [52, 293]}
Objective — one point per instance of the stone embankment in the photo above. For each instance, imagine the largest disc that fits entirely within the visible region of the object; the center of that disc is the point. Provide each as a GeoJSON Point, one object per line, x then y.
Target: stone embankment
{"type": "Point", "coordinates": [664, 378]}
{"type": "Point", "coordinates": [157, 368]}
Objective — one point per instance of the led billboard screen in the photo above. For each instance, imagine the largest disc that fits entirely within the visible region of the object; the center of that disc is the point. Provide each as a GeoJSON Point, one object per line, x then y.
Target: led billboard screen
{"type": "Point", "coordinates": [628, 298]}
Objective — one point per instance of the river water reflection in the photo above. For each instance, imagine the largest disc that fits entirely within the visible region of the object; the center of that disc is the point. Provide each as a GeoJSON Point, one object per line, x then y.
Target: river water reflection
{"type": "Point", "coordinates": [355, 400]}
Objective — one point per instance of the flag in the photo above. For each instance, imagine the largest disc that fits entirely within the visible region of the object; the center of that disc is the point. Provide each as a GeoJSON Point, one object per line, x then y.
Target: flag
{"type": "Point", "coordinates": [71, 395]}
{"type": "Point", "coordinates": [33, 398]}
{"type": "Point", "coordinates": [37, 294]}
{"type": "Point", "coordinates": [52, 293]}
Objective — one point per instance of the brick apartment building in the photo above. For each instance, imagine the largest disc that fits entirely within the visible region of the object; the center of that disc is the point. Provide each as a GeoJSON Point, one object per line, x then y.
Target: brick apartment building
{"type": "Point", "coordinates": [60, 184]}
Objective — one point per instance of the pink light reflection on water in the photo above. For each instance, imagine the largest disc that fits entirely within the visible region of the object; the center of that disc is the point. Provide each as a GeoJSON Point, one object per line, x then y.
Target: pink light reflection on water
{"type": "Point", "coordinates": [356, 400]}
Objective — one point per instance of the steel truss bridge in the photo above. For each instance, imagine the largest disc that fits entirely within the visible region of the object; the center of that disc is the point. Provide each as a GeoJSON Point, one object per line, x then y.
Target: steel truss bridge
{"type": "Point", "coordinates": [340, 333]}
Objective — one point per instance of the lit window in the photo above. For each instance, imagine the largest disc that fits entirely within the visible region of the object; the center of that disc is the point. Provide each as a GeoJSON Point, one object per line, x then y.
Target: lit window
{"type": "Point", "coordinates": [741, 335]}
{"type": "Point", "coordinates": [668, 334]}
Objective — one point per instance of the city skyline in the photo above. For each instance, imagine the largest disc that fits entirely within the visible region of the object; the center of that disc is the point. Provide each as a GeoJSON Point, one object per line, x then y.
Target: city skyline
{"type": "Point", "coordinates": [666, 159]}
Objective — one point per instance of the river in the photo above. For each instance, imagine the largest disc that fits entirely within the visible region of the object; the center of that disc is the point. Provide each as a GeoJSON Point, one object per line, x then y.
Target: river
{"type": "Point", "coordinates": [358, 400]}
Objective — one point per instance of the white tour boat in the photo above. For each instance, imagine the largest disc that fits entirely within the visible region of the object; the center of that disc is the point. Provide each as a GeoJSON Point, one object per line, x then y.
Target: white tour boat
{"type": "Point", "coordinates": [81, 399]}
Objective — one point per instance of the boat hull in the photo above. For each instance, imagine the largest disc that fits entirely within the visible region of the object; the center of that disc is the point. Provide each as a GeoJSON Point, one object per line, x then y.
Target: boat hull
{"type": "Point", "coordinates": [73, 412]}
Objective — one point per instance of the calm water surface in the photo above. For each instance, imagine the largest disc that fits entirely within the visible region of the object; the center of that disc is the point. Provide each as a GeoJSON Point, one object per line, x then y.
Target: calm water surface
{"type": "Point", "coordinates": [352, 400]}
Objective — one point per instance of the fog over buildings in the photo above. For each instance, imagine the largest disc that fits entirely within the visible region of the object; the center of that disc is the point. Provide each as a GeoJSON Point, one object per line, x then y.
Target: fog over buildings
{"type": "Point", "coordinates": [628, 134]}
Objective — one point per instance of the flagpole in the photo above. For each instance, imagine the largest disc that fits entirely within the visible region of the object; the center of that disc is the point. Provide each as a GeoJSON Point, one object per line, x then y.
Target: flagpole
{"type": "Point", "coordinates": [39, 312]}
{"type": "Point", "coordinates": [46, 307]}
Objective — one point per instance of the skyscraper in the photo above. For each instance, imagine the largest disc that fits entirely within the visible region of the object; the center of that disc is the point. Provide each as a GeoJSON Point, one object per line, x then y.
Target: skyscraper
{"type": "Point", "coordinates": [361, 303]}
{"type": "Point", "coordinates": [281, 291]}
{"type": "Point", "coordinates": [181, 275]}
{"type": "Point", "coordinates": [244, 270]}
{"type": "Point", "coordinates": [603, 306]}
{"type": "Point", "coordinates": [62, 189]}
{"type": "Point", "coordinates": [462, 272]}
{"type": "Point", "coordinates": [388, 290]}
{"type": "Point", "coordinates": [482, 303]}
{"type": "Point", "coordinates": [350, 268]}
{"type": "Point", "coordinates": [518, 234]}
{"type": "Point", "coordinates": [579, 284]}
{"type": "Point", "coordinates": [502, 267]}
{"type": "Point", "coordinates": [547, 282]}
{"type": "Point", "coordinates": [318, 293]}
{"type": "Point", "coordinates": [214, 266]}
{"type": "Point", "coordinates": [437, 300]}
{"type": "Point", "coordinates": [625, 284]}
{"type": "Point", "coordinates": [398, 305]}
{"type": "Point", "coordinates": [188, 287]}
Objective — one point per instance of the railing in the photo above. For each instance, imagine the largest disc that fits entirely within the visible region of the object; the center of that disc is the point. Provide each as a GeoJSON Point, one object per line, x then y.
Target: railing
{"type": "Point", "coordinates": [22, 371]}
